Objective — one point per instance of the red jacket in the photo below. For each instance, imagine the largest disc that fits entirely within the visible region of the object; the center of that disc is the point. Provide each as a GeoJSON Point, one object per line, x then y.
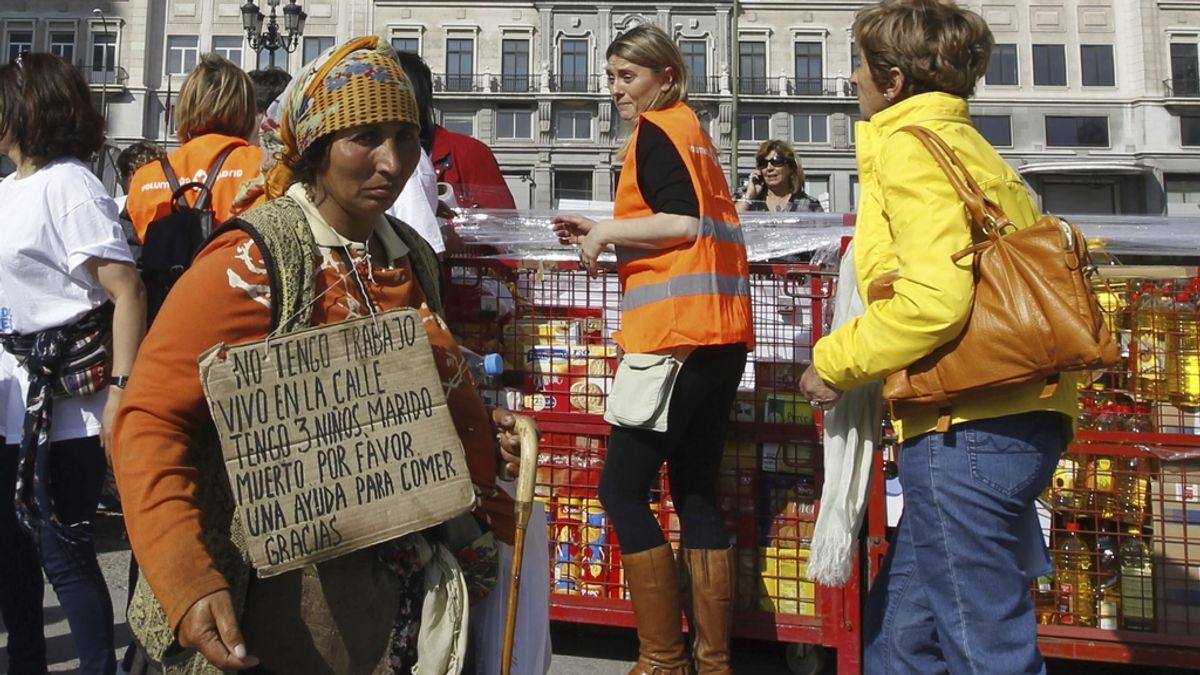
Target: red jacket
{"type": "Point", "coordinates": [471, 168]}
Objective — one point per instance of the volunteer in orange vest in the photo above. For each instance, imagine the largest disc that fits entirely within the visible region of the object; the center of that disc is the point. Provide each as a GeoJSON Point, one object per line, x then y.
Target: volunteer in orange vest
{"type": "Point", "coordinates": [215, 110]}
{"type": "Point", "coordinates": [683, 272]}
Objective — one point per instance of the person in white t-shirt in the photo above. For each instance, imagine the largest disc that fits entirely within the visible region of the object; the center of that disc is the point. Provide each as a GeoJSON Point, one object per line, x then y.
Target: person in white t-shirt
{"type": "Point", "coordinates": [64, 258]}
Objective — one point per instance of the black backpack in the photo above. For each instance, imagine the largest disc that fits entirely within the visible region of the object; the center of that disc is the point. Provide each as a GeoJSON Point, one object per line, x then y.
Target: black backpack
{"type": "Point", "coordinates": [174, 239]}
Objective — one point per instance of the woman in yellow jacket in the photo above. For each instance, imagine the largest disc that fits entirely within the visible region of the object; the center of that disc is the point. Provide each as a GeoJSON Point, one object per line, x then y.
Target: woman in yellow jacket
{"type": "Point", "coordinates": [953, 594]}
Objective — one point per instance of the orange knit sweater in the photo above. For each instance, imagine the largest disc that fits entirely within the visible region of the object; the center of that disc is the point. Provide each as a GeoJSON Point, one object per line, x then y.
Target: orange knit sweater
{"type": "Point", "coordinates": [225, 297]}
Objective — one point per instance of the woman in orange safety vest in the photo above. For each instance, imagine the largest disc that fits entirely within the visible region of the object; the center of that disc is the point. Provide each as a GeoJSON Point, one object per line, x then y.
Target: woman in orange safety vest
{"type": "Point", "coordinates": [683, 272]}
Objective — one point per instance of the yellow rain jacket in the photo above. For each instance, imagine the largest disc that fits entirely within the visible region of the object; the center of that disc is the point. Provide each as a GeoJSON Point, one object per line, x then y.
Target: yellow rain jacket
{"type": "Point", "coordinates": [911, 220]}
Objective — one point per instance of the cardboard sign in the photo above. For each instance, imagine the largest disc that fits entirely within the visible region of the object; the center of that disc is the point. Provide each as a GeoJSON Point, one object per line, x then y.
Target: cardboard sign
{"type": "Point", "coordinates": [335, 438]}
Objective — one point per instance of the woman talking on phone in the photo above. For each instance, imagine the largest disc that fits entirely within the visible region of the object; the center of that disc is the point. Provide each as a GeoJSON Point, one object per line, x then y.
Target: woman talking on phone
{"type": "Point", "coordinates": [777, 182]}
{"type": "Point", "coordinates": [685, 319]}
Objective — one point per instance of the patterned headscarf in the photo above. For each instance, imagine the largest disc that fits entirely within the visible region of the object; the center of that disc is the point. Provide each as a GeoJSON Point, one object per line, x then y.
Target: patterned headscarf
{"type": "Point", "coordinates": [357, 82]}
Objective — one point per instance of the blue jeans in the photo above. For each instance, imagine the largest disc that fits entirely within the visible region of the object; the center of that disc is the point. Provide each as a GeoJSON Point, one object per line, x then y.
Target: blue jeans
{"type": "Point", "coordinates": [953, 595]}
{"type": "Point", "coordinates": [77, 469]}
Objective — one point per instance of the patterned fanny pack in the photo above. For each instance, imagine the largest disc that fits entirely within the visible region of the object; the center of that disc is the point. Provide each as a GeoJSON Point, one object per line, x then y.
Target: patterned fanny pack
{"type": "Point", "coordinates": [83, 363]}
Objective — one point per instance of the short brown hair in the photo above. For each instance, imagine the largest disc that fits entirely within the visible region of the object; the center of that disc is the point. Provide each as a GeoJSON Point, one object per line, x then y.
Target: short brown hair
{"type": "Point", "coordinates": [135, 155]}
{"type": "Point", "coordinates": [47, 107]}
{"type": "Point", "coordinates": [784, 150]}
{"type": "Point", "coordinates": [938, 45]}
{"type": "Point", "coordinates": [217, 97]}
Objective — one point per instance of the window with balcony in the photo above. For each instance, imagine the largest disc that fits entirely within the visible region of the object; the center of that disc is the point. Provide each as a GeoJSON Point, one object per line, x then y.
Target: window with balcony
{"type": "Point", "coordinates": [104, 58]}
{"type": "Point", "coordinates": [752, 67]}
{"type": "Point", "coordinates": [229, 46]}
{"type": "Point", "coordinates": [514, 65]}
{"type": "Point", "coordinates": [514, 124]}
{"type": "Point", "coordinates": [852, 120]}
{"type": "Point", "coordinates": [1077, 132]}
{"type": "Point", "coordinates": [1096, 64]}
{"type": "Point", "coordinates": [1185, 76]}
{"type": "Point", "coordinates": [854, 56]}
{"type": "Point", "coordinates": [754, 127]}
{"type": "Point", "coordinates": [262, 59]}
{"type": "Point", "coordinates": [182, 53]}
{"type": "Point", "coordinates": [1002, 69]}
{"type": "Point", "coordinates": [997, 129]}
{"type": "Point", "coordinates": [411, 45]}
{"type": "Point", "coordinates": [810, 128]}
{"type": "Point", "coordinates": [809, 69]}
{"type": "Point", "coordinates": [62, 44]}
{"type": "Point", "coordinates": [572, 185]}
{"type": "Point", "coordinates": [573, 65]}
{"type": "Point", "coordinates": [695, 57]}
{"type": "Point", "coordinates": [1189, 131]}
{"type": "Point", "coordinates": [573, 125]}
{"type": "Point", "coordinates": [1049, 65]}
{"type": "Point", "coordinates": [459, 122]}
{"type": "Point", "coordinates": [460, 64]}
{"type": "Point", "coordinates": [19, 42]}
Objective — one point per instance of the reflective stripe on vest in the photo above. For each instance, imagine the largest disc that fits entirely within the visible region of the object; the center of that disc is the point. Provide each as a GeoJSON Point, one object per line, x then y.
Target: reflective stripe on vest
{"type": "Point", "coordinates": [685, 285]}
{"type": "Point", "coordinates": [709, 227]}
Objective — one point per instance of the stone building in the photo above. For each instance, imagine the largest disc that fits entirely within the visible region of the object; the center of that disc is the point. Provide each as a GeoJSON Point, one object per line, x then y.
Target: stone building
{"type": "Point", "coordinates": [1095, 102]}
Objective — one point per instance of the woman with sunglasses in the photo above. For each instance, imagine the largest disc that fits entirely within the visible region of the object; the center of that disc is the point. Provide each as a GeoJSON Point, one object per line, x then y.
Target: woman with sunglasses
{"type": "Point", "coordinates": [777, 182]}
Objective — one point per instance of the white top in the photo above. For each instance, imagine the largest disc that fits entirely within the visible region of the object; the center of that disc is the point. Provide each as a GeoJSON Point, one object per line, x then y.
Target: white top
{"type": "Point", "coordinates": [417, 204]}
{"type": "Point", "coordinates": [54, 221]}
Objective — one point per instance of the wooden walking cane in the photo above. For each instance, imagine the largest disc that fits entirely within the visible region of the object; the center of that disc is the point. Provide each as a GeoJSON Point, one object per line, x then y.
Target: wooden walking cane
{"type": "Point", "coordinates": [524, 507]}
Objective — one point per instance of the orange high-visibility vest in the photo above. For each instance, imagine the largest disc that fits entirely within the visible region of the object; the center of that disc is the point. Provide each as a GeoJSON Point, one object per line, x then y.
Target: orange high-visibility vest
{"type": "Point", "coordinates": [694, 294]}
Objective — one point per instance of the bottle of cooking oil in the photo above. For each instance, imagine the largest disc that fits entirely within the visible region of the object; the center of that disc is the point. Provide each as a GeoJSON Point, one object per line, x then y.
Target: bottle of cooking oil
{"type": "Point", "coordinates": [1067, 492]}
{"type": "Point", "coordinates": [1183, 353]}
{"type": "Point", "coordinates": [1045, 600]}
{"type": "Point", "coordinates": [1131, 486]}
{"type": "Point", "coordinates": [1108, 579]}
{"type": "Point", "coordinates": [1137, 582]}
{"type": "Point", "coordinates": [1073, 573]}
{"type": "Point", "coordinates": [1098, 479]}
{"type": "Point", "coordinates": [1153, 311]}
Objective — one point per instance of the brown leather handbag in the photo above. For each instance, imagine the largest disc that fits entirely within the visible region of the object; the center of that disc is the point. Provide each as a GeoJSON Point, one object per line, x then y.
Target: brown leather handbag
{"type": "Point", "coordinates": [1034, 314]}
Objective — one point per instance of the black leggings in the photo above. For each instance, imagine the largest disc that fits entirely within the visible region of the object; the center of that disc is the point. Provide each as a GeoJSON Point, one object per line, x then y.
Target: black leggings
{"type": "Point", "coordinates": [691, 447]}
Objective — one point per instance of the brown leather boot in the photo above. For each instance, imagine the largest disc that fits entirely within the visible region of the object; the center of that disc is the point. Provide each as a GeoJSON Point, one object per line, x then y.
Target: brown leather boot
{"type": "Point", "coordinates": [712, 579]}
{"type": "Point", "coordinates": [654, 589]}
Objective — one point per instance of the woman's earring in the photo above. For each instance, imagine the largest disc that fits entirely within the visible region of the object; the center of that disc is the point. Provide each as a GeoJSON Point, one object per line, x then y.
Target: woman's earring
{"type": "Point", "coordinates": [887, 96]}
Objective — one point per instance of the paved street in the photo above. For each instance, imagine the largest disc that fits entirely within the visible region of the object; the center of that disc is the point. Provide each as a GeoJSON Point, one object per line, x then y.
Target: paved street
{"type": "Point", "coordinates": [578, 650]}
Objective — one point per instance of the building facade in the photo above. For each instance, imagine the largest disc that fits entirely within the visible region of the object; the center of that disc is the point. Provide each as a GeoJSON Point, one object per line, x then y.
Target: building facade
{"type": "Point", "coordinates": [1095, 102]}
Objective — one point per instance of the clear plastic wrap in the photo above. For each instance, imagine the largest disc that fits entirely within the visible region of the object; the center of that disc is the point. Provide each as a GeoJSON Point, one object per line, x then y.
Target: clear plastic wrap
{"type": "Point", "coordinates": [784, 236]}
{"type": "Point", "coordinates": [769, 236]}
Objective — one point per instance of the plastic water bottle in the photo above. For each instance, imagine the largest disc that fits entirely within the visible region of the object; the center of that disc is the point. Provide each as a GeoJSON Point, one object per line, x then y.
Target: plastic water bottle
{"type": "Point", "coordinates": [1108, 596]}
{"type": "Point", "coordinates": [1073, 571]}
{"type": "Point", "coordinates": [1137, 583]}
{"type": "Point", "coordinates": [485, 373]}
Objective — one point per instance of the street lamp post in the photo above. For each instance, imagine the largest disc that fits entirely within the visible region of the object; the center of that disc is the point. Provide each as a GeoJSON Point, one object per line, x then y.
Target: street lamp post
{"type": "Point", "coordinates": [268, 37]}
{"type": "Point", "coordinates": [103, 65]}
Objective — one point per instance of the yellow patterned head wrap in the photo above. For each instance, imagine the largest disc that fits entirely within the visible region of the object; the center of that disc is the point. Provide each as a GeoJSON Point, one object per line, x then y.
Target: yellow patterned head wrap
{"type": "Point", "coordinates": [358, 82]}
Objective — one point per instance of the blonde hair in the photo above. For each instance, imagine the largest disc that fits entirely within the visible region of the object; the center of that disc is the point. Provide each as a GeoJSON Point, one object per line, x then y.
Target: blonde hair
{"type": "Point", "coordinates": [784, 150]}
{"type": "Point", "coordinates": [648, 46]}
{"type": "Point", "coordinates": [217, 97]}
{"type": "Point", "coordinates": [938, 45]}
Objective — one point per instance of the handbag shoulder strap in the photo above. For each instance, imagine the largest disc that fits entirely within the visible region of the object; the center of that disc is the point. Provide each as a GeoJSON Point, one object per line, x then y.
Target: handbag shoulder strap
{"type": "Point", "coordinates": [986, 215]}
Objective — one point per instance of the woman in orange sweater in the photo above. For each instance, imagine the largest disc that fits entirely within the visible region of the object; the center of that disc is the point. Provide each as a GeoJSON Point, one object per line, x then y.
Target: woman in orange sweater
{"type": "Point", "coordinates": [343, 165]}
{"type": "Point", "coordinates": [215, 111]}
